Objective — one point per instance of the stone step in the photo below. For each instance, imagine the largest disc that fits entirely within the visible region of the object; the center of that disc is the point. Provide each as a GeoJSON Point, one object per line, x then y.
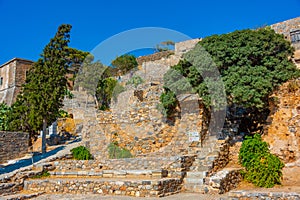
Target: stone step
{"type": "Point", "coordinates": [195, 181]}
{"type": "Point", "coordinates": [117, 186]}
{"type": "Point", "coordinates": [196, 174]}
{"type": "Point", "coordinates": [157, 173]}
{"type": "Point", "coordinates": [192, 188]}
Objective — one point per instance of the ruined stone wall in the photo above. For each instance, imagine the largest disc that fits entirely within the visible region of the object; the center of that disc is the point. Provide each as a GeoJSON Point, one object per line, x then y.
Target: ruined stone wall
{"type": "Point", "coordinates": [140, 127]}
{"type": "Point", "coordinates": [286, 27]}
{"type": "Point", "coordinates": [283, 131]}
{"type": "Point", "coordinates": [153, 57]}
{"type": "Point", "coordinates": [185, 46]}
{"type": "Point", "coordinates": [13, 145]}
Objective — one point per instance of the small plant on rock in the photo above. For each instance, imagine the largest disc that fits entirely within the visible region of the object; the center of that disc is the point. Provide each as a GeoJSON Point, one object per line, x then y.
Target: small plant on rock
{"type": "Point", "coordinates": [81, 153]}
{"type": "Point", "coordinates": [135, 81]}
{"type": "Point", "coordinates": [44, 174]}
{"type": "Point", "coordinates": [116, 152]}
{"type": "Point", "coordinates": [262, 168]}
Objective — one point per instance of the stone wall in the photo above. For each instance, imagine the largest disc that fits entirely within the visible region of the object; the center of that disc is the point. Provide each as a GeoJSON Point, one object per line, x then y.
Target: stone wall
{"type": "Point", "coordinates": [170, 164]}
{"type": "Point", "coordinates": [286, 27]}
{"type": "Point", "coordinates": [13, 145]}
{"type": "Point", "coordinates": [138, 125]}
{"type": "Point", "coordinates": [185, 46]}
{"type": "Point", "coordinates": [153, 57]}
{"type": "Point", "coordinates": [283, 131]}
{"type": "Point", "coordinates": [136, 188]}
{"type": "Point", "coordinates": [224, 180]}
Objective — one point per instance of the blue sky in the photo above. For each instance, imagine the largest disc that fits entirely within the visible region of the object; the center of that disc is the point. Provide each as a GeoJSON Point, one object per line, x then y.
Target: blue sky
{"type": "Point", "coordinates": [27, 26]}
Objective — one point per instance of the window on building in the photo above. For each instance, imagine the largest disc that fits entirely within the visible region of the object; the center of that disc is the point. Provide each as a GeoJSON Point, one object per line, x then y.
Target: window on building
{"type": "Point", "coordinates": [1, 80]}
{"type": "Point", "coordinates": [295, 36]}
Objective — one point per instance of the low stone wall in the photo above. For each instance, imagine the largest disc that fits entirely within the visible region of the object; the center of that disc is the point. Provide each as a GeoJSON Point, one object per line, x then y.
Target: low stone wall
{"type": "Point", "coordinates": [137, 188]}
{"type": "Point", "coordinates": [175, 163]}
{"type": "Point", "coordinates": [249, 195]}
{"type": "Point", "coordinates": [159, 173]}
{"type": "Point", "coordinates": [14, 183]}
{"type": "Point", "coordinates": [153, 57]}
{"type": "Point", "coordinates": [222, 160]}
{"type": "Point", "coordinates": [224, 180]}
{"type": "Point", "coordinates": [13, 145]}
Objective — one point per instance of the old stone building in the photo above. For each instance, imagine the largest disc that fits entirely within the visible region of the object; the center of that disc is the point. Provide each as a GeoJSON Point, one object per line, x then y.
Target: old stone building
{"type": "Point", "coordinates": [12, 76]}
{"type": "Point", "coordinates": [291, 31]}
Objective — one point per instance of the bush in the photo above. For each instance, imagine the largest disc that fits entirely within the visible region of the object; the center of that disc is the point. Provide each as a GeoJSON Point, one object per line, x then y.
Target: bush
{"type": "Point", "coordinates": [168, 103]}
{"type": "Point", "coordinates": [262, 168]}
{"type": "Point", "coordinates": [135, 81]}
{"type": "Point", "coordinates": [108, 89]}
{"type": "Point", "coordinates": [81, 153]}
{"type": "Point", "coordinates": [115, 151]}
{"type": "Point", "coordinates": [63, 113]}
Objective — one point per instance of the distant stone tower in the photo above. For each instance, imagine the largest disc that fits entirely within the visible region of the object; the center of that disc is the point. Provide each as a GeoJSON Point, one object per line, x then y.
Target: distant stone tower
{"type": "Point", "coordinates": [291, 31]}
{"type": "Point", "coordinates": [12, 76]}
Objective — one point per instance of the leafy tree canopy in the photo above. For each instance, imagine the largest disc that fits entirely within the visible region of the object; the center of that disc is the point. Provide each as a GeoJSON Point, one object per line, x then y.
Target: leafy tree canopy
{"type": "Point", "coordinates": [125, 63]}
{"type": "Point", "coordinates": [251, 63]}
{"type": "Point", "coordinates": [107, 89]}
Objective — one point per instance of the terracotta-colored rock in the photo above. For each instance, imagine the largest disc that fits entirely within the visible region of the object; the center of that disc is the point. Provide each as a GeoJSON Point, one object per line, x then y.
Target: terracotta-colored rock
{"type": "Point", "coordinates": [283, 134]}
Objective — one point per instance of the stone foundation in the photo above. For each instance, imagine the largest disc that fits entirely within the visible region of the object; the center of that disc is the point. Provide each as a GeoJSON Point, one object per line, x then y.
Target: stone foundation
{"type": "Point", "coordinates": [137, 188]}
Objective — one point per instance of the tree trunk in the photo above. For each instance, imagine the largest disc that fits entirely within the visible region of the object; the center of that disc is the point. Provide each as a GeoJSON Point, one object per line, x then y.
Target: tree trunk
{"type": "Point", "coordinates": [44, 136]}
{"type": "Point", "coordinates": [95, 99]}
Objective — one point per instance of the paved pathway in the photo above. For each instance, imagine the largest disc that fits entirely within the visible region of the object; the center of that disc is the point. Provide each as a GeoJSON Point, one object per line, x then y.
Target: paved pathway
{"type": "Point", "coordinates": [27, 163]}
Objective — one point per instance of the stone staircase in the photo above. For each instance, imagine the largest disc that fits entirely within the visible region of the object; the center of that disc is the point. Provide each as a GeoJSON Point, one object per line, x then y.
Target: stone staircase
{"type": "Point", "coordinates": [195, 180]}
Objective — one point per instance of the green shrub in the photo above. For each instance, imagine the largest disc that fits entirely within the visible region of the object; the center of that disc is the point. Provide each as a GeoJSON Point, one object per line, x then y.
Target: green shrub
{"type": "Point", "coordinates": [251, 148]}
{"type": "Point", "coordinates": [117, 90]}
{"type": "Point", "coordinates": [262, 168]}
{"type": "Point", "coordinates": [108, 89]}
{"type": "Point", "coordinates": [115, 152]}
{"type": "Point", "coordinates": [42, 175]}
{"type": "Point", "coordinates": [168, 103]}
{"type": "Point", "coordinates": [63, 113]}
{"type": "Point", "coordinates": [135, 81]}
{"type": "Point", "coordinates": [81, 153]}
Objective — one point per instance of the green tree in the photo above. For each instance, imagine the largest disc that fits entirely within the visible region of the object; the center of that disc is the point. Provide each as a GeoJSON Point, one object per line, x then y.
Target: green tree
{"type": "Point", "coordinates": [251, 65]}
{"type": "Point", "coordinates": [5, 111]}
{"type": "Point", "coordinates": [75, 59]}
{"type": "Point", "coordinates": [165, 46]}
{"type": "Point", "coordinates": [125, 63]}
{"type": "Point", "coordinates": [42, 95]}
{"type": "Point", "coordinates": [107, 89]}
{"type": "Point", "coordinates": [89, 74]}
